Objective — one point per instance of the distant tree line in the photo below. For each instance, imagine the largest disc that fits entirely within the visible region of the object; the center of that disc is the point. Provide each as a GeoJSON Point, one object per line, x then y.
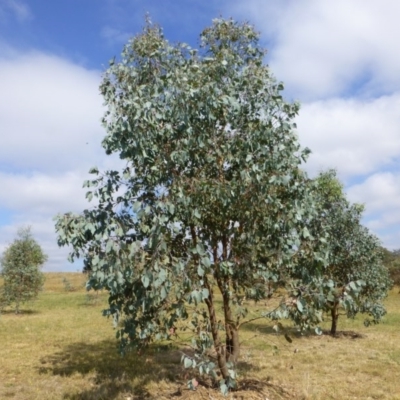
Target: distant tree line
{"type": "Point", "coordinates": [391, 259]}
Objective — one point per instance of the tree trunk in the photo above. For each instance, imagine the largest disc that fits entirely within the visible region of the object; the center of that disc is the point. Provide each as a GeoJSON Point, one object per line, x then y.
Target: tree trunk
{"type": "Point", "coordinates": [219, 348]}
{"type": "Point", "coordinates": [335, 317]}
{"type": "Point", "coordinates": [232, 344]}
{"type": "Point", "coordinates": [231, 330]}
{"type": "Point", "coordinates": [17, 307]}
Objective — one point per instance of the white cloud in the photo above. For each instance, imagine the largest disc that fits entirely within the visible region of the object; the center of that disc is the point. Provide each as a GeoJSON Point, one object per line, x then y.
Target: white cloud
{"type": "Point", "coordinates": [50, 111]}
{"type": "Point", "coordinates": [42, 193]}
{"type": "Point", "coordinates": [355, 136]}
{"type": "Point", "coordinates": [34, 199]}
{"type": "Point", "coordinates": [380, 190]}
{"type": "Point", "coordinates": [380, 193]}
{"type": "Point", "coordinates": [322, 48]}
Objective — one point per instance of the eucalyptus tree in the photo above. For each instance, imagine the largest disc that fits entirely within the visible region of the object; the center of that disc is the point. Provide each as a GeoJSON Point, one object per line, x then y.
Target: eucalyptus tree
{"type": "Point", "coordinates": [358, 275]}
{"type": "Point", "coordinates": [355, 278]}
{"type": "Point", "coordinates": [212, 200]}
{"type": "Point", "coordinates": [20, 270]}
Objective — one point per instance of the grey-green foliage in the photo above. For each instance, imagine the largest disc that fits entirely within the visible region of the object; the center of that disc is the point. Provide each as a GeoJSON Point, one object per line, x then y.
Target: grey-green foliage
{"type": "Point", "coordinates": [20, 263]}
{"type": "Point", "coordinates": [391, 260]}
{"type": "Point", "coordinates": [355, 278]}
{"type": "Point", "coordinates": [212, 198]}
{"type": "Point", "coordinates": [68, 286]}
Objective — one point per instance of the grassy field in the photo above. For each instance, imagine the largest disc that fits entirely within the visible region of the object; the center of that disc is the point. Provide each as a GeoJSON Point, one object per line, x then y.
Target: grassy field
{"type": "Point", "coordinates": [62, 348]}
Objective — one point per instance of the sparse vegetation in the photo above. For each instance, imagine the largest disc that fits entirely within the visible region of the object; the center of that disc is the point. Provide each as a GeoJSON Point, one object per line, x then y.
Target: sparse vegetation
{"type": "Point", "coordinates": [68, 286]}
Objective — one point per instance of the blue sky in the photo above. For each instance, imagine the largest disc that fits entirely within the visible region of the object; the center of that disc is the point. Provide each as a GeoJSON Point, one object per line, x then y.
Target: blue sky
{"type": "Point", "coordinates": [339, 59]}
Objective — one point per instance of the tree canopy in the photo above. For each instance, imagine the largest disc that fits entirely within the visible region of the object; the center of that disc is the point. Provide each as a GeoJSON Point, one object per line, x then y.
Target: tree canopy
{"type": "Point", "coordinates": [355, 278]}
{"type": "Point", "coordinates": [20, 263]}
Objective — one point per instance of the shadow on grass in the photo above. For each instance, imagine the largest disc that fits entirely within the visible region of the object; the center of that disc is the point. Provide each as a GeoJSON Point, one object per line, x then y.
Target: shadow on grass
{"type": "Point", "coordinates": [258, 327]}
{"type": "Point", "coordinates": [21, 313]}
{"type": "Point", "coordinates": [262, 328]}
{"type": "Point", "coordinates": [111, 375]}
{"type": "Point", "coordinates": [344, 334]}
{"type": "Point", "coordinates": [293, 332]}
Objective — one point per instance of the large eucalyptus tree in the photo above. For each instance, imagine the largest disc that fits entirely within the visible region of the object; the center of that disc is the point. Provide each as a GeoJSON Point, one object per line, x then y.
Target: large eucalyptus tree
{"type": "Point", "coordinates": [212, 202]}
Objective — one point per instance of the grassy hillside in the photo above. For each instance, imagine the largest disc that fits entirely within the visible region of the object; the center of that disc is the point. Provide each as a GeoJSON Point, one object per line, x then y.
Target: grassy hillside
{"type": "Point", "coordinates": [62, 348]}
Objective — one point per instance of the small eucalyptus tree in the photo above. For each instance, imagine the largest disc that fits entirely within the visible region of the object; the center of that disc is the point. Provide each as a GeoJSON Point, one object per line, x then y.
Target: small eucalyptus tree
{"type": "Point", "coordinates": [355, 278]}
{"type": "Point", "coordinates": [212, 203]}
{"type": "Point", "coordinates": [20, 270]}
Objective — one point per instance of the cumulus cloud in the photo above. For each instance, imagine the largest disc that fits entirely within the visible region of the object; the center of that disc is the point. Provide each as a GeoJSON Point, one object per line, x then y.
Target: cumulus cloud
{"type": "Point", "coordinates": [355, 136]}
{"type": "Point", "coordinates": [381, 190]}
{"type": "Point", "coordinates": [42, 193]}
{"type": "Point", "coordinates": [50, 111]}
{"type": "Point", "coordinates": [322, 49]}
{"type": "Point", "coordinates": [380, 193]}
{"type": "Point", "coordinates": [33, 200]}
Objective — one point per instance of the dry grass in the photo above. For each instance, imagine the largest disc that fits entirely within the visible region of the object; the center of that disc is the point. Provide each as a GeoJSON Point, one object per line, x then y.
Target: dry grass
{"type": "Point", "coordinates": [62, 348]}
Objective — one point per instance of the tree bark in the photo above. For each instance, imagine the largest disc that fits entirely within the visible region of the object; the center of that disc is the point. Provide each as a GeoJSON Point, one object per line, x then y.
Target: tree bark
{"type": "Point", "coordinates": [231, 331]}
{"type": "Point", "coordinates": [335, 317]}
{"type": "Point", "coordinates": [231, 328]}
{"type": "Point", "coordinates": [219, 348]}
{"type": "Point", "coordinates": [232, 344]}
